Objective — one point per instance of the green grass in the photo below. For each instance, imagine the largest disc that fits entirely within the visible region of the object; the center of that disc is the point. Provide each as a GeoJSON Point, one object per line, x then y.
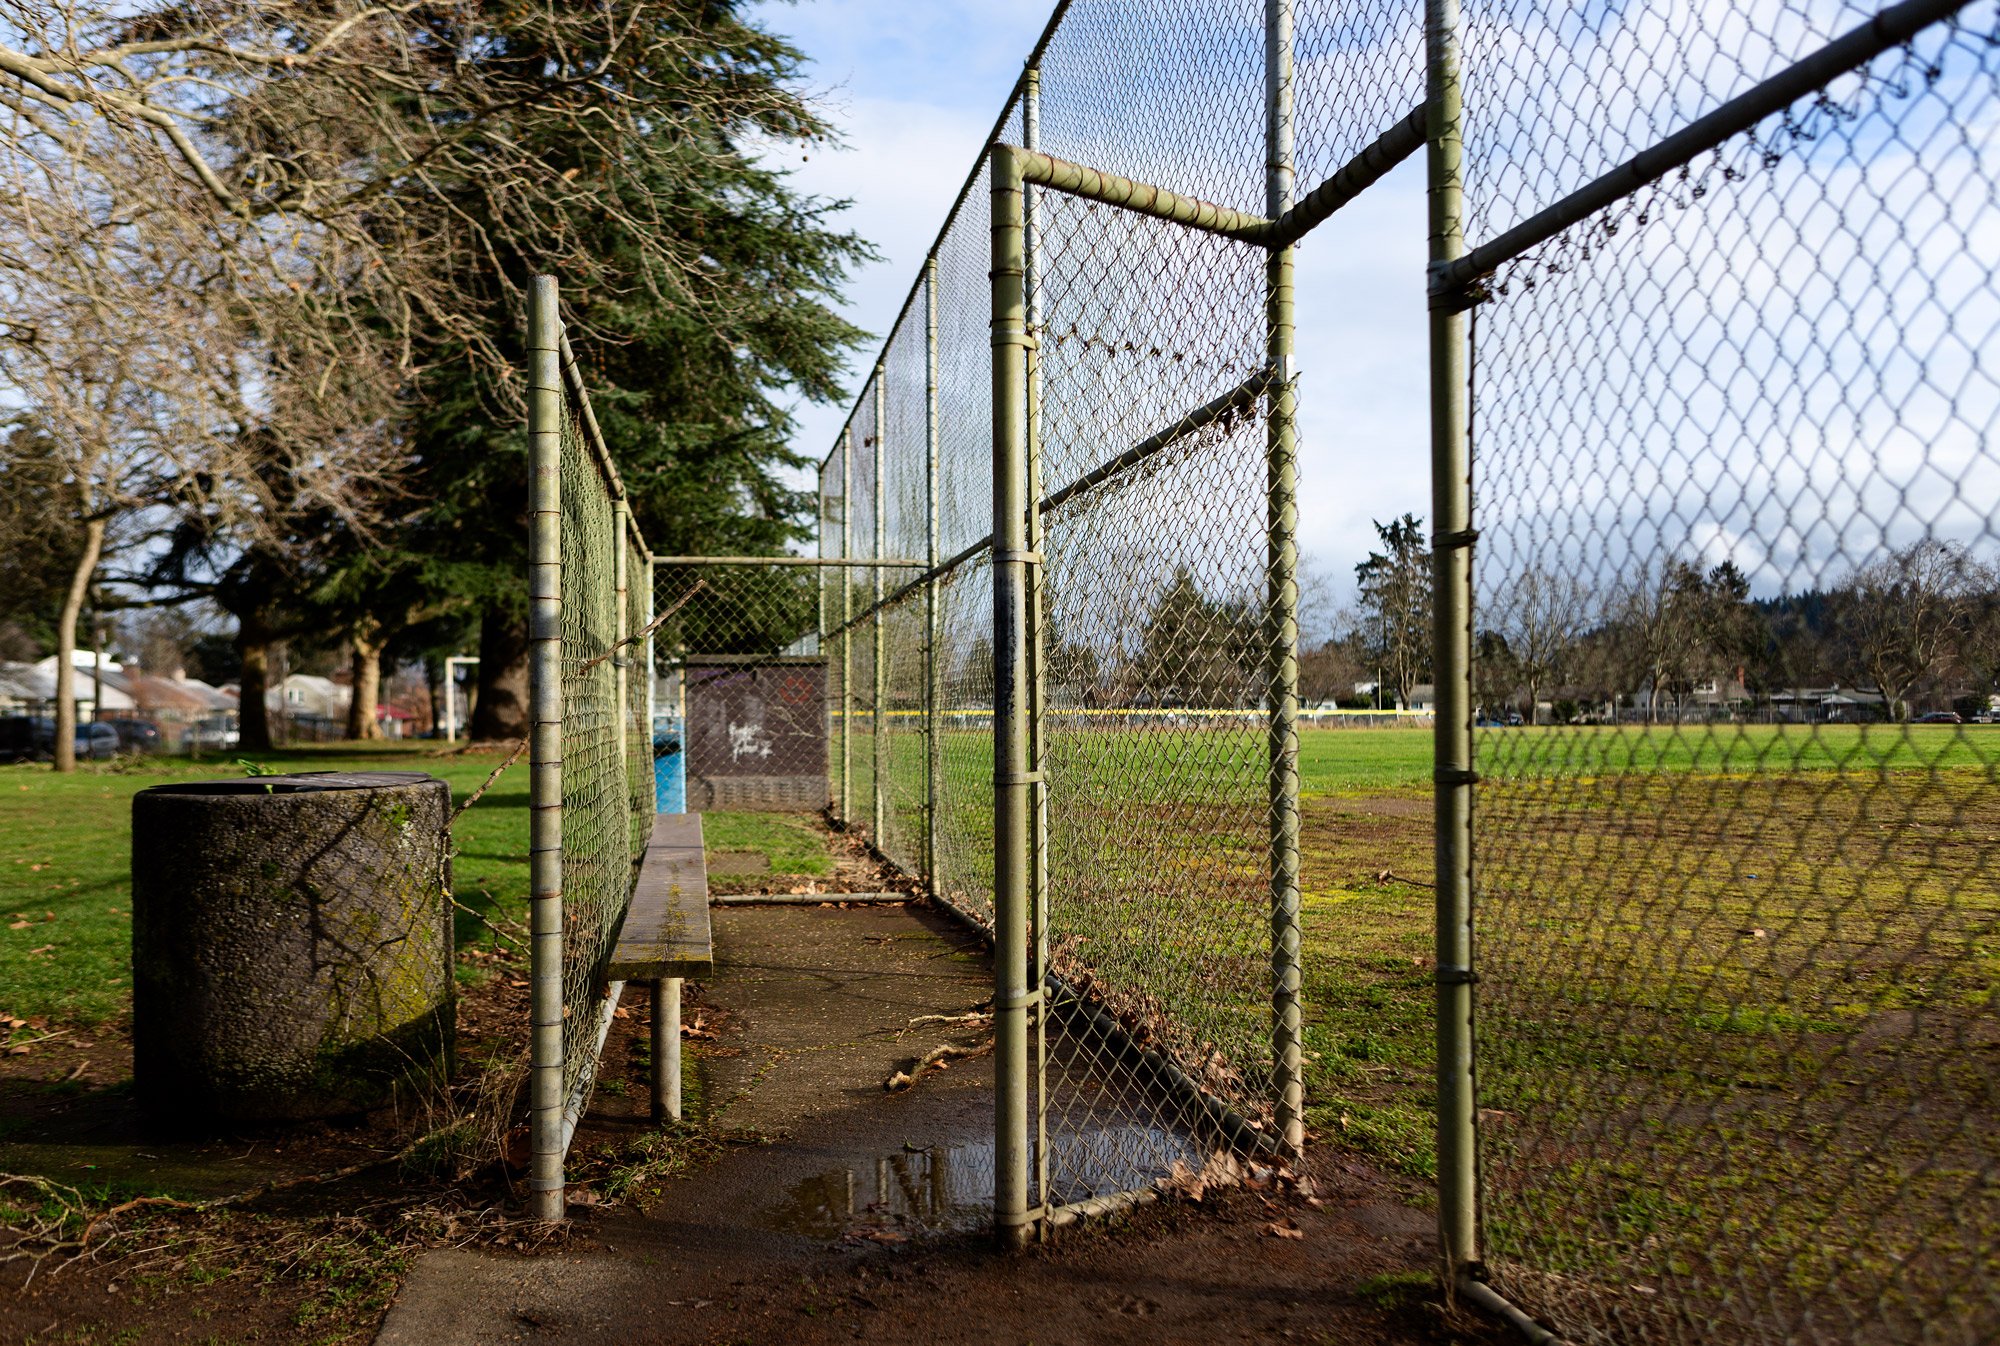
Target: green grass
{"type": "Point", "coordinates": [793, 845]}
{"type": "Point", "coordinates": [65, 864]}
{"type": "Point", "coordinates": [1363, 761]}
{"type": "Point", "coordinates": [1735, 1022]}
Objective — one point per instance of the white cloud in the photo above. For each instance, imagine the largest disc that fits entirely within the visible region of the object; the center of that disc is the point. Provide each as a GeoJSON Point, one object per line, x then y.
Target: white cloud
{"type": "Point", "coordinates": [914, 90]}
{"type": "Point", "coordinates": [1739, 378]}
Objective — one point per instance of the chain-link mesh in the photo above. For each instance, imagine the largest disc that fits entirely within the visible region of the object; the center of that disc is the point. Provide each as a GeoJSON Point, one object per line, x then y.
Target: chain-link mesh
{"type": "Point", "coordinates": [739, 655]}
{"type": "Point", "coordinates": [1735, 980]}
{"type": "Point", "coordinates": [1737, 905]}
{"type": "Point", "coordinates": [1156, 931]}
{"type": "Point", "coordinates": [603, 816]}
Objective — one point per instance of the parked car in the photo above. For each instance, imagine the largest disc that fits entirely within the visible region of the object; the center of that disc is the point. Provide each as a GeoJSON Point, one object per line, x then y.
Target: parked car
{"type": "Point", "coordinates": [21, 738]}
{"type": "Point", "coordinates": [216, 731]}
{"type": "Point", "coordinates": [1941, 717]}
{"type": "Point", "coordinates": [136, 735]}
{"type": "Point", "coordinates": [33, 738]}
{"type": "Point", "coordinates": [96, 740]}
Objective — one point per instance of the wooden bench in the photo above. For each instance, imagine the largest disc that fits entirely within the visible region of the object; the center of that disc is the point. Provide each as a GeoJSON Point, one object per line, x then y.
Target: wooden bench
{"type": "Point", "coordinates": [666, 936]}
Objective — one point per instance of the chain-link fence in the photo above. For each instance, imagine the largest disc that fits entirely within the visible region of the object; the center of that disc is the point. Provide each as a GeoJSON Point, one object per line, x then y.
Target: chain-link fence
{"type": "Point", "coordinates": [1114, 672]}
{"type": "Point", "coordinates": [1712, 296]}
{"type": "Point", "coordinates": [1735, 483]}
{"type": "Point", "coordinates": [742, 670]}
{"type": "Point", "coordinates": [591, 742]}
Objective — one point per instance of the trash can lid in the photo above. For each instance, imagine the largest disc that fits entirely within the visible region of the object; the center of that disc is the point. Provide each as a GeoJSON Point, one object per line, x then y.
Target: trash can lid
{"type": "Point", "coordinates": [296, 782]}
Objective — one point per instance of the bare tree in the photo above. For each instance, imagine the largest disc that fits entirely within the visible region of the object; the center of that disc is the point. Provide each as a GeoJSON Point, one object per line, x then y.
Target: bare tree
{"type": "Point", "coordinates": [1658, 629]}
{"type": "Point", "coordinates": [81, 355]}
{"type": "Point", "coordinates": [1542, 616]}
{"type": "Point", "coordinates": [1901, 616]}
{"type": "Point", "coordinates": [348, 154]}
{"type": "Point", "coordinates": [246, 217]}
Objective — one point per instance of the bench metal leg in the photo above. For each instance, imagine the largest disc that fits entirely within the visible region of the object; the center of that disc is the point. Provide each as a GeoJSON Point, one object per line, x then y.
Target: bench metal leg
{"type": "Point", "coordinates": [667, 1049]}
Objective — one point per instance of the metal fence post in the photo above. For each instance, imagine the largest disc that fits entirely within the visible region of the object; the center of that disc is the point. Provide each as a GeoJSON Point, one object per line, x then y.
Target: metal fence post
{"type": "Point", "coordinates": [621, 670]}
{"type": "Point", "coordinates": [545, 412]}
{"type": "Point", "coordinates": [879, 748]}
{"type": "Point", "coordinates": [933, 634]}
{"type": "Point", "coordinates": [819, 621]}
{"type": "Point", "coordinates": [1011, 804]}
{"type": "Point", "coordinates": [1451, 519]}
{"type": "Point", "coordinates": [846, 625]}
{"type": "Point", "coordinates": [652, 668]}
{"type": "Point", "coordinates": [1038, 789]}
{"type": "Point", "coordinates": [666, 1049]}
{"type": "Point", "coordinates": [1282, 597]}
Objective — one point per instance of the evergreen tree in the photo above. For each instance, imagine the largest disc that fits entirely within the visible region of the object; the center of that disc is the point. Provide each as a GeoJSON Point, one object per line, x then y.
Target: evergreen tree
{"type": "Point", "coordinates": [689, 375]}
{"type": "Point", "coordinates": [1396, 598]}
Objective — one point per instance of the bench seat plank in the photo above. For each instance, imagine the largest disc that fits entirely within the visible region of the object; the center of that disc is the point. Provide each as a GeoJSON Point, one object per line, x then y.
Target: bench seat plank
{"type": "Point", "coordinates": [666, 931]}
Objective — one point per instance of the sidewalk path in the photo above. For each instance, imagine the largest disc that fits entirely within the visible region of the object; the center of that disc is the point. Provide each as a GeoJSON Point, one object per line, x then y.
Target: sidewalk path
{"type": "Point", "coordinates": [807, 1240]}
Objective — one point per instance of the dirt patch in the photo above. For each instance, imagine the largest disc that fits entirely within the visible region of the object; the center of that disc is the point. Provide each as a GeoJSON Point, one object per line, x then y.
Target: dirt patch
{"type": "Point", "coordinates": [1382, 806]}
{"type": "Point", "coordinates": [292, 1254]}
{"type": "Point", "coordinates": [1353, 1268]}
{"type": "Point", "coordinates": [738, 862]}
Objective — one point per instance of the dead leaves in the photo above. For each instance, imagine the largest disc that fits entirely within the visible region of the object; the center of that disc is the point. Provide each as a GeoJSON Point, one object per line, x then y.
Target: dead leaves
{"type": "Point", "coordinates": [1221, 1169]}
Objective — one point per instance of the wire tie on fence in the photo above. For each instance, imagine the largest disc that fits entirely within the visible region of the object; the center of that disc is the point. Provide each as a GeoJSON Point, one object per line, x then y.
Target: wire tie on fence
{"type": "Point", "coordinates": [1464, 537]}
{"type": "Point", "coordinates": [1002, 555]}
{"type": "Point", "coordinates": [1456, 976]}
{"type": "Point", "coordinates": [1019, 778]}
{"type": "Point", "coordinates": [1455, 775]}
{"type": "Point", "coordinates": [1446, 296]}
{"type": "Point", "coordinates": [1010, 1002]}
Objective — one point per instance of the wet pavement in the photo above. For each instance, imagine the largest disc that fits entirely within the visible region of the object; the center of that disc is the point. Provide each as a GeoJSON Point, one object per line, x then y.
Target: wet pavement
{"type": "Point", "coordinates": [819, 1003]}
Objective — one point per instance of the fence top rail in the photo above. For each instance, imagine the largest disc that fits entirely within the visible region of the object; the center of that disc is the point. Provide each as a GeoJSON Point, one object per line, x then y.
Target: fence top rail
{"type": "Point", "coordinates": [1451, 282]}
{"type": "Point", "coordinates": [850, 562]}
{"type": "Point", "coordinates": [958, 202]}
{"type": "Point", "coordinates": [573, 375]}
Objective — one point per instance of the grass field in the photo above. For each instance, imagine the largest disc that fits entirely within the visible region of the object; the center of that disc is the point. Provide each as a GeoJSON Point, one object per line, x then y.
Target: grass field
{"type": "Point", "coordinates": [65, 871]}
{"type": "Point", "coordinates": [1737, 985]}
{"type": "Point", "coordinates": [1737, 997]}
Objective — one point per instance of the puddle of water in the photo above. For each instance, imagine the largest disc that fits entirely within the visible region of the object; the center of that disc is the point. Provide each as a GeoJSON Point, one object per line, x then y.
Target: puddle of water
{"type": "Point", "coordinates": [949, 1188]}
{"type": "Point", "coordinates": [942, 1189]}
{"type": "Point", "coordinates": [1117, 1157]}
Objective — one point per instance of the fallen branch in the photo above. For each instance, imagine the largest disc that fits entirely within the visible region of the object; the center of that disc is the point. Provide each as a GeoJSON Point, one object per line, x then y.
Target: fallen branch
{"type": "Point", "coordinates": [975, 1017]}
{"type": "Point", "coordinates": [648, 630]}
{"type": "Point", "coordinates": [473, 798]}
{"type": "Point", "coordinates": [937, 1058]}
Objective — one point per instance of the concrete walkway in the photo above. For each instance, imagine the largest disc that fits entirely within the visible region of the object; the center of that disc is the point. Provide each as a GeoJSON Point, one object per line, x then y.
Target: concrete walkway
{"type": "Point", "coordinates": [819, 1003]}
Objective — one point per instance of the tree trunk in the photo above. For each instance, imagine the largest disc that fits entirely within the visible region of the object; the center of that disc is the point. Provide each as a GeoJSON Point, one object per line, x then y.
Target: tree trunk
{"type": "Point", "coordinates": [64, 747]}
{"type": "Point", "coordinates": [253, 718]}
{"type": "Point", "coordinates": [366, 639]}
{"type": "Point", "coordinates": [96, 665]}
{"type": "Point", "coordinates": [501, 709]}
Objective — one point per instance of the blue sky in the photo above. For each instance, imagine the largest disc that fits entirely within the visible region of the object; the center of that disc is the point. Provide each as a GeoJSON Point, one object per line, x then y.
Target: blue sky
{"type": "Point", "coordinates": [1648, 413]}
{"type": "Point", "coordinates": [914, 89]}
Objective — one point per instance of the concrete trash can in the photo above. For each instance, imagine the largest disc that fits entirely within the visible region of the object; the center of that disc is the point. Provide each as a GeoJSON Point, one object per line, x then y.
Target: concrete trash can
{"type": "Point", "coordinates": [291, 945]}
